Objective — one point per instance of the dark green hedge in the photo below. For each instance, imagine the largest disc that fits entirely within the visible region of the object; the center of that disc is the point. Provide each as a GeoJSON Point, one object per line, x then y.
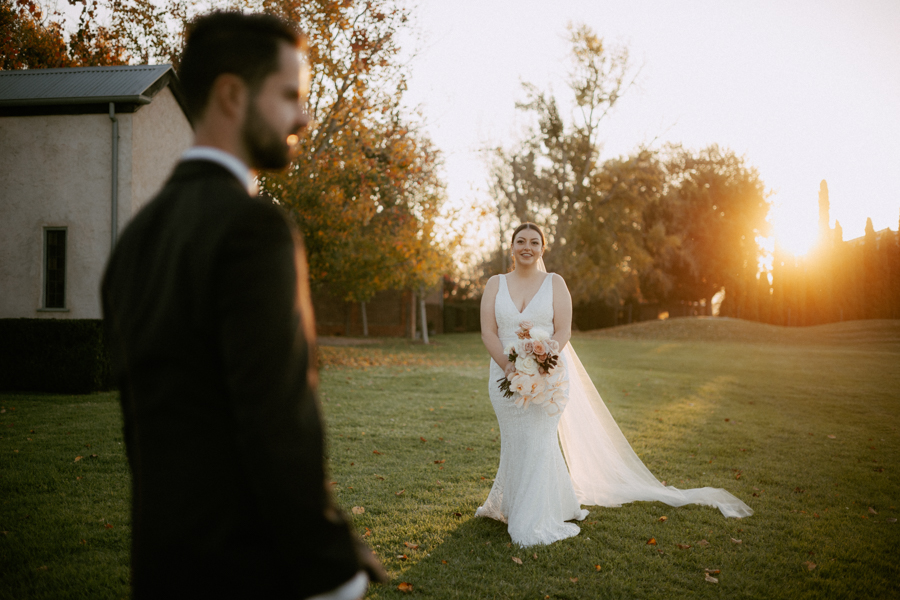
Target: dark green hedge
{"type": "Point", "coordinates": [53, 355]}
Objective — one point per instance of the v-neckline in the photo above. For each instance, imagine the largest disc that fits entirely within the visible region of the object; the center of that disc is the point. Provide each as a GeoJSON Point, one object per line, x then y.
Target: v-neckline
{"type": "Point", "coordinates": [513, 302]}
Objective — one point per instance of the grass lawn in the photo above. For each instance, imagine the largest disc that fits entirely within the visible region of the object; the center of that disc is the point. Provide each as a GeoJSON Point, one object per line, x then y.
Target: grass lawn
{"type": "Point", "coordinates": [802, 424]}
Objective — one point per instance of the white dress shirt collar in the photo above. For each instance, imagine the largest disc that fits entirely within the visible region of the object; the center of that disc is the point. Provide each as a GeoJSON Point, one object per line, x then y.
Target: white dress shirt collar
{"type": "Point", "coordinates": [231, 162]}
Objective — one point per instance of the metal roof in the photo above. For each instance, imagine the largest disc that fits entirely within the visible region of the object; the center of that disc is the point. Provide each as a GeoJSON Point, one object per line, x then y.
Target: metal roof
{"type": "Point", "coordinates": [83, 89]}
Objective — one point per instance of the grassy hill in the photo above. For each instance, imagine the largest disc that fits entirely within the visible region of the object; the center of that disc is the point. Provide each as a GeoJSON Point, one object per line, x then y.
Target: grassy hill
{"type": "Point", "coordinates": [874, 333]}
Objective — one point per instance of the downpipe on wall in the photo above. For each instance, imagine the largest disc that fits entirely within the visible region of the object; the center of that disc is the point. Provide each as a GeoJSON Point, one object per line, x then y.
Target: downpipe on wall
{"type": "Point", "coordinates": [114, 210]}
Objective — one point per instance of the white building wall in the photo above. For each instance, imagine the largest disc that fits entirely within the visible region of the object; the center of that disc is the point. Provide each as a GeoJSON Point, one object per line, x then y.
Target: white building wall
{"type": "Point", "coordinates": [55, 171]}
{"type": "Point", "coordinates": [161, 134]}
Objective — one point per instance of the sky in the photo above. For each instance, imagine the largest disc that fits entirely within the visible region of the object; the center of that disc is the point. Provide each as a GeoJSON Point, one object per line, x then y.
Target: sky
{"type": "Point", "coordinates": [805, 90]}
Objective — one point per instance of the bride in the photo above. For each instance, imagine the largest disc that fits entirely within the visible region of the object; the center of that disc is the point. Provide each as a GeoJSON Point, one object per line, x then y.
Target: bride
{"type": "Point", "coordinates": [534, 492]}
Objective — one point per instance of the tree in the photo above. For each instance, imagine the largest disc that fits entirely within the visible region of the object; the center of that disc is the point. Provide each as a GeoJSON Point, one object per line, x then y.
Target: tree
{"type": "Point", "coordinates": [33, 39]}
{"type": "Point", "coordinates": [547, 177]}
{"type": "Point", "coordinates": [717, 205]}
{"type": "Point", "coordinates": [365, 190]}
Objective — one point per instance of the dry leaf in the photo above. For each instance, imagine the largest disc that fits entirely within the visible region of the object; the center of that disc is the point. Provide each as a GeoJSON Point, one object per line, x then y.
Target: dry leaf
{"type": "Point", "coordinates": [402, 556]}
{"type": "Point", "coordinates": [358, 510]}
{"type": "Point", "coordinates": [375, 452]}
{"type": "Point", "coordinates": [409, 545]}
{"type": "Point", "coordinates": [712, 571]}
{"type": "Point", "coordinates": [439, 462]}
{"type": "Point", "coordinates": [598, 567]}
{"type": "Point", "coordinates": [573, 579]}
{"type": "Point", "coordinates": [405, 587]}
{"type": "Point", "coordinates": [517, 560]}
{"type": "Point", "coordinates": [810, 565]}
{"type": "Point", "coordinates": [736, 541]}
{"type": "Point", "coordinates": [683, 546]}
{"type": "Point", "coordinates": [831, 437]}
{"type": "Point", "coordinates": [368, 532]}
{"type": "Point", "coordinates": [83, 542]}
{"type": "Point", "coordinates": [651, 542]}
{"type": "Point", "coordinates": [399, 493]}
{"type": "Point", "coordinates": [109, 526]}
{"type": "Point", "coordinates": [711, 579]}
{"type": "Point", "coordinates": [457, 515]}
{"type": "Point", "coordinates": [872, 511]}
{"type": "Point", "coordinates": [444, 562]}
{"type": "Point", "coordinates": [77, 458]}
{"type": "Point", "coordinates": [534, 556]}
{"type": "Point", "coordinates": [663, 519]}
{"type": "Point", "coordinates": [423, 439]}
{"type": "Point", "coordinates": [891, 520]}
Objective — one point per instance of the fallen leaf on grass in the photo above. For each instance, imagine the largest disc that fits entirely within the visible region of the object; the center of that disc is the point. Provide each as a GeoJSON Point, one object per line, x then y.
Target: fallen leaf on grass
{"type": "Point", "coordinates": [798, 490]}
{"type": "Point", "coordinates": [77, 458]}
{"type": "Point", "coordinates": [517, 560]}
{"type": "Point", "coordinates": [651, 542]}
{"type": "Point", "coordinates": [712, 571]}
{"type": "Point", "coordinates": [368, 532]}
{"type": "Point", "coordinates": [711, 579]}
{"type": "Point", "coordinates": [457, 515]}
{"type": "Point", "coordinates": [663, 519]}
{"type": "Point", "coordinates": [832, 437]}
{"type": "Point", "coordinates": [683, 546]}
{"type": "Point", "coordinates": [872, 511]}
{"type": "Point", "coordinates": [444, 562]}
{"type": "Point", "coordinates": [405, 587]}
{"type": "Point", "coordinates": [375, 452]}
{"type": "Point", "coordinates": [410, 545]}
{"type": "Point", "coordinates": [810, 565]}
{"type": "Point", "coordinates": [399, 493]}
{"type": "Point", "coordinates": [736, 541]}
{"type": "Point", "coordinates": [358, 510]}
{"type": "Point", "coordinates": [573, 579]}
{"type": "Point", "coordinates": [44, 568]}
{"type": "Point", "coordinates": [891, 520]}
{"type": "Point", "coordinates": [534, 556]}
{"type": "Point", "coordinates": [109, 526]}
{"type": "Point", "coordinates": [82, 542]}
{"type": "Point", "coordinates": [423, 439]}
{"type": "Point", "coordinates": [598, 567]}
{"type": "Point", "coordinates": [703, 543]}
{"type": "Point", "coordinates": [402, 557]}
{"type": "Point", "coordinates": [439, 462]}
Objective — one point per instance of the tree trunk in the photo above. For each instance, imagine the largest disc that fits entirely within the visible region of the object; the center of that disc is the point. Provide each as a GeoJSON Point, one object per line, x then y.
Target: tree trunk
{"type": "Point", "coordinates": [412, 315]}
{"type": "Point", "coordinates": [424, 317]}
{"type": "Point", "coordinates": [365, 321]}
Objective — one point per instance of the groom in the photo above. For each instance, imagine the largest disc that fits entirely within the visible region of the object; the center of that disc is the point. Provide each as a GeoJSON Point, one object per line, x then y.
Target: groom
{"type": "Point", "coordinates": [209, 322]}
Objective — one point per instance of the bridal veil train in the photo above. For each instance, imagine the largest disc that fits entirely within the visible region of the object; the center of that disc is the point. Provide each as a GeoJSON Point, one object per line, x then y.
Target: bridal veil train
{"type": "Point", "coordinates": [604, 469]}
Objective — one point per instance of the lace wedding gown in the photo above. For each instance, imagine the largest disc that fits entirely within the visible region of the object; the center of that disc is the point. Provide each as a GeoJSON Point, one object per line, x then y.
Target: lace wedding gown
{"type": "Point", "coordinates": [534, 492]}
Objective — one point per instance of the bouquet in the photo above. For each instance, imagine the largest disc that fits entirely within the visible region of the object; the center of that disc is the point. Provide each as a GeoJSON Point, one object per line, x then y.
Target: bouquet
{"type": "Point", "coordinates": [537, 379]}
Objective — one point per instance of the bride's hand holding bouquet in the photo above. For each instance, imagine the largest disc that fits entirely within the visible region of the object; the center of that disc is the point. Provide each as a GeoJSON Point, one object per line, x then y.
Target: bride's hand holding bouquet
{"type": "Point", "coordinates": [537, 377]}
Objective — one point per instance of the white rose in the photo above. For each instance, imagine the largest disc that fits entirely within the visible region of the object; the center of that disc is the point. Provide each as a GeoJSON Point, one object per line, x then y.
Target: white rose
{"type": "Point", "coordinates": [507, 350]}
{"type": "Point", "coordinates": [540, 335]}
{"type": "Point", "coordinates": [526, 365]}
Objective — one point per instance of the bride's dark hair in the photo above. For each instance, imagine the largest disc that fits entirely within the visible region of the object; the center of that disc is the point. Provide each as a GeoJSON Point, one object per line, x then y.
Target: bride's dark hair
{"type": "Point", "coordinates": [529, 226]}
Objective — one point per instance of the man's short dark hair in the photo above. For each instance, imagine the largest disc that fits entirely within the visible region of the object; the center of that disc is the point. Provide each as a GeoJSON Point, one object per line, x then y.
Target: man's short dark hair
{"type": "Point", "coordinates": [246, 45]}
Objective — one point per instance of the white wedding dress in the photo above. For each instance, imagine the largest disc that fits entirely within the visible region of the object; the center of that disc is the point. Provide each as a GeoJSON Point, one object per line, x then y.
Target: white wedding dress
{"type": "Point", "coordinates": [534, 492]}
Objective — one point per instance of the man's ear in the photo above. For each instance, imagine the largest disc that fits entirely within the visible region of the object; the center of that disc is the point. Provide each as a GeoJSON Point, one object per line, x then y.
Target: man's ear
{"type": "Point", "coordinates": [230, 96]}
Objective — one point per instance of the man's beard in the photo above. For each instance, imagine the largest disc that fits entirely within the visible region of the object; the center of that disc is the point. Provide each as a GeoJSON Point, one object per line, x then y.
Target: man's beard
{"type": "Point", "coordinates": [266, 148]}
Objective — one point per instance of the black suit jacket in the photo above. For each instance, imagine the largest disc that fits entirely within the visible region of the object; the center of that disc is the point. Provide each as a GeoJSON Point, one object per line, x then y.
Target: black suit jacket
{"type": "Point", "coordinates": [209, 322]}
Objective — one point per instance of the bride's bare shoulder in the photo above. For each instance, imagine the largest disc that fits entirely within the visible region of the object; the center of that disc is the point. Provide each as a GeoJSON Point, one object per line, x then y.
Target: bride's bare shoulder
{"type": "Point", "coordinates": [492, 285]}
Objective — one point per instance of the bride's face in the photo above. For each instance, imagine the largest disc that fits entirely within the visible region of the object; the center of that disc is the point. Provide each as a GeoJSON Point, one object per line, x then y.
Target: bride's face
{"type": "Point", "coordinates": [527, 247]}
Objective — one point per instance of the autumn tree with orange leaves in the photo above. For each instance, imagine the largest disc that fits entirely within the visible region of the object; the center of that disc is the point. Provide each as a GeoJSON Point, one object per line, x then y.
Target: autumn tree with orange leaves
{"type": "Point", "coordinates": [32, 38]}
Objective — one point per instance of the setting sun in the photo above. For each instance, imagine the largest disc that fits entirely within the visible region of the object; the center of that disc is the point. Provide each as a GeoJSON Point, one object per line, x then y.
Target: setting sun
{"type": "Point", "coordinates": [795, 227]}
